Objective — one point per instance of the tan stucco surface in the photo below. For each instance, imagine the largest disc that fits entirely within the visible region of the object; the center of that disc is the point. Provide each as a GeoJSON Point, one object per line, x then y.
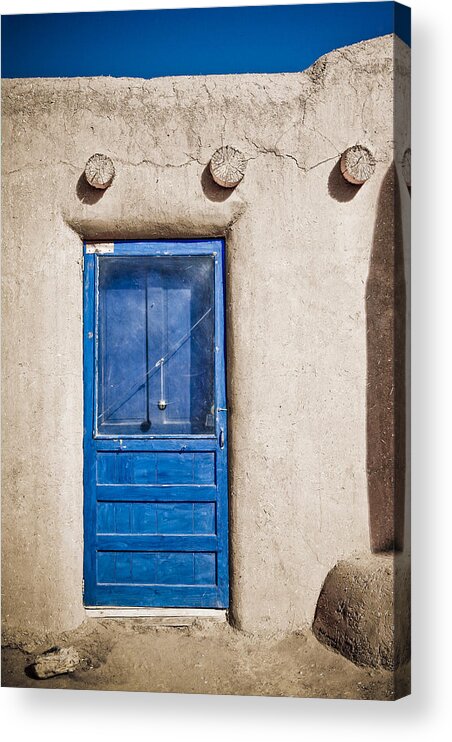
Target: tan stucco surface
{"type": "Point", "coordinates": [298, 248]}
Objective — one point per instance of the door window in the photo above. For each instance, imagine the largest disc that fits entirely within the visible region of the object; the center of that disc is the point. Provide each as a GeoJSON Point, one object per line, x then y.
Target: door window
{"type": "Point", "coordinates": [156, 346]}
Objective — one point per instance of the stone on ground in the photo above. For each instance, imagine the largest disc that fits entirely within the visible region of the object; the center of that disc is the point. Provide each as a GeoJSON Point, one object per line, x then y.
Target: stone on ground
{"type": "Point", "coordinates": [56, 661]}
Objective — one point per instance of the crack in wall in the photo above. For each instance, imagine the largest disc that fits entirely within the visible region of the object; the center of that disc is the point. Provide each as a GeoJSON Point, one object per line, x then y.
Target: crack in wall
{"type": "Point", "coordinates": [276, 153]}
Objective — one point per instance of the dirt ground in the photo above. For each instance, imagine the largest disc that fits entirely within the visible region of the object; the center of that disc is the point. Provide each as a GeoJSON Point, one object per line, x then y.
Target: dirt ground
{"type": "Point", "coordinates": [134, 655]}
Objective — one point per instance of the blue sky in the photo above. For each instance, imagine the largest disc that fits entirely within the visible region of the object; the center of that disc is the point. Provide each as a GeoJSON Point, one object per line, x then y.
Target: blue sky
{"type": "Point", "coordinates": [154, 43]}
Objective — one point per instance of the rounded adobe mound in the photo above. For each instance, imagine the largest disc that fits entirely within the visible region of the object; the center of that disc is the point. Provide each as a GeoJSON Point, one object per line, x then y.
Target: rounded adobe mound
{"type": "Point", "coordinates": [363, 610]}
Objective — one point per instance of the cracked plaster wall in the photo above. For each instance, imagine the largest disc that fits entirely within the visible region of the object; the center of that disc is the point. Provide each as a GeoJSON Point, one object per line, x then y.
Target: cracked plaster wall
{"type": "Point", "coordinates": [298, 249]}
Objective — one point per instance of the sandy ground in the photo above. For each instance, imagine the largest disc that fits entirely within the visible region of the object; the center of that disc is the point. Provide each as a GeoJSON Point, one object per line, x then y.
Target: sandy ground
{"type": "Point", "coordinates": [134, 655]}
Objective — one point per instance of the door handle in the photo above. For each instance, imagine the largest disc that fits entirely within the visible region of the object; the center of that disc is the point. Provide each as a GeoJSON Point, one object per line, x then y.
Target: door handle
{"type": "Point", "coordinates": [221, 438]}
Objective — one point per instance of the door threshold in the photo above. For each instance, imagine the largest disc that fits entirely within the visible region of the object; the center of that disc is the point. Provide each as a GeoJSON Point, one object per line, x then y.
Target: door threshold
{"type": "Point", "coordinates": [160, 616]}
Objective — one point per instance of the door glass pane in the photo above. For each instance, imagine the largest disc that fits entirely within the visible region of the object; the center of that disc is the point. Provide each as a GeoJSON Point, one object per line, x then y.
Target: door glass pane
{"type": "Point", "coordinates": [156, 345]}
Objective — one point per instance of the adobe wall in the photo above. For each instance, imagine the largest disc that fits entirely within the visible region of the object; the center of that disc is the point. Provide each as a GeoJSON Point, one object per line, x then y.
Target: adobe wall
{"type": "Point", "coordinates": [299, 241]}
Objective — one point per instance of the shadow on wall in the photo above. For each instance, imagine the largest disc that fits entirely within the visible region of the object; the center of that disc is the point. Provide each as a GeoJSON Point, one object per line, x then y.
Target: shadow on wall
{"type": "Point", "coordinates": [386, 382]}
{"type": "Point", "coordinates": [89, 195]}
{"type": "Point", "coordinates": [86, 193]}
{"type": "Point", "coordinates": [340, 189]}
{"type": "Point", "coordinates": [212, 190]}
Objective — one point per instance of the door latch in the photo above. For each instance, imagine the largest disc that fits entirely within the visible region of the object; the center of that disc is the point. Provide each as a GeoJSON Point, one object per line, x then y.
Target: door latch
{"type": "Point", "coordinates": [221, 438]}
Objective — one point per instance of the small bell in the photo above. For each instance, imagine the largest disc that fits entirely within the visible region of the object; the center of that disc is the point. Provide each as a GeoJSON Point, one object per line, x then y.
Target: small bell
{"type": "Point", "coordinates": [162, 404]}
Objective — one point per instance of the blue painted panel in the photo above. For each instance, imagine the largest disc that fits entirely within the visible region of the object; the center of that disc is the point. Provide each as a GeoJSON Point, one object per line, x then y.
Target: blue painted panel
{"type": "Point", "coordinates": [156, 506]}
{"type": "Point", "coordinates": [106, 566]}
{"type": "Point", "coordinates": [175, 569]}
{"type": "Point", "coordinates": [154, 518]}
{"type": "Point", "coordinates": [175, 468]}
{"type": "Point", "coordinates": [106, 521]}
{"type": "Point", "coordinates": [123, 517]}
{"type": "Point", "coordinates": [204, 517]}
{"type": "Point", "coordinates": [163, 568]}
{"type": "Point", "coordinates": [156, 468]}
{"type": "Point", "coordinates": [123, 566]}
{"type": "Point", "coordinates": [204, 569]}
{"type": "Point", "coordinates": [175, 518]}
{"type": "Point", "coordinates": [204, 468]}
{"type": "Point", "coordinates": [144, 516]}
{"type": "Point", "coordinates": [141, 468]}
{"type": "Point", "coordinates": [144, 568]}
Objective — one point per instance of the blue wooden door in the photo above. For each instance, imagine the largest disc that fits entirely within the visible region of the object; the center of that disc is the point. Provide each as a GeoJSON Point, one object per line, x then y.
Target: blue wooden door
{"type": "Point", "coordinates": [155, 425]}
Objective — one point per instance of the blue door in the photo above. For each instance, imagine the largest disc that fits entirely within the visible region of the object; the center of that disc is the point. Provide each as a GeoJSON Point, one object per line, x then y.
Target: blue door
{"type": "Point", "coordinates": [155, 425]}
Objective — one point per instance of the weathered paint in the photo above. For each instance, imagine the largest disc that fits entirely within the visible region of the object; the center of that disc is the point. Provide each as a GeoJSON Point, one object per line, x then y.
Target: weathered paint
{"type": "Point", "coordinates": [155, 493]}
